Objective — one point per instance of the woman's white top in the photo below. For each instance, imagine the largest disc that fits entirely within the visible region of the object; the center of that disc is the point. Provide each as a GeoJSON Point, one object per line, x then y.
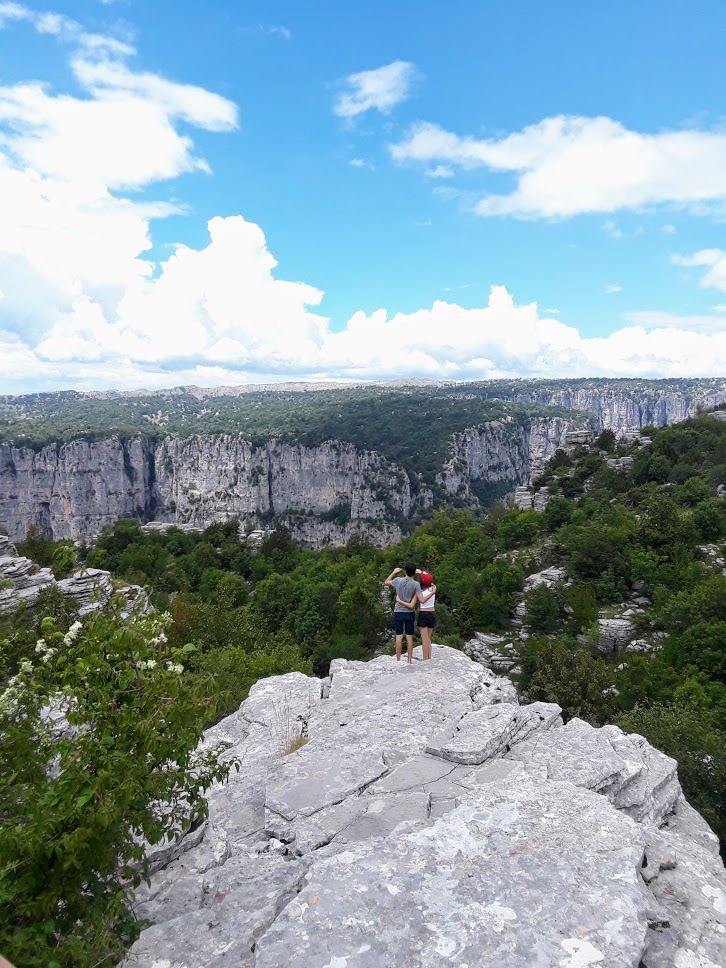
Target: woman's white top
{"type": "Point", "coordinates": [429, 600]}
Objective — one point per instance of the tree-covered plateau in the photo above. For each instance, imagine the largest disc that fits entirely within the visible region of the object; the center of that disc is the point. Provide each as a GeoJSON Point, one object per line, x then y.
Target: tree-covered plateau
{"type": "Point", "coordinates": [389, 422]}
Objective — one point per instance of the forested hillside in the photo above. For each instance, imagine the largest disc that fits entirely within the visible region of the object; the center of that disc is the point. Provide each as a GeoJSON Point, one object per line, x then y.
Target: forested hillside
{"type": "Point", "coordinates": [647, 536]}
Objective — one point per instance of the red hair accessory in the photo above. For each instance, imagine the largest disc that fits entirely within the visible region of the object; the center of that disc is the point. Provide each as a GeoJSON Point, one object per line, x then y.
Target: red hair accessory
{"type": "Point", "coordinates": [426, 579]}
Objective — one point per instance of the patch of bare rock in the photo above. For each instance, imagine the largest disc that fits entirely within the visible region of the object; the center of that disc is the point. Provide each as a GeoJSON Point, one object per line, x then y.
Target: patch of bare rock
{"type": "Point", "coordinates": [430, 820]}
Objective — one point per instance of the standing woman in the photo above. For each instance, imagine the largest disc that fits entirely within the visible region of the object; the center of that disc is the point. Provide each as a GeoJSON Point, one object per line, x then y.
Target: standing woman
{"type": "Point", "coordinates": [426, 610]}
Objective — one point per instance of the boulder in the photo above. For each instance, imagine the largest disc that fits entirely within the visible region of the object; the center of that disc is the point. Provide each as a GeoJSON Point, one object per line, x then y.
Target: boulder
{"type": "Point", "coordinates": [549, 577]}
{"type": "Point", "coordinates": [614, 634]}
{"type": "Point", "coordinates": [92, 589]}
{"type": "Point", "coordinates": [428, 823]}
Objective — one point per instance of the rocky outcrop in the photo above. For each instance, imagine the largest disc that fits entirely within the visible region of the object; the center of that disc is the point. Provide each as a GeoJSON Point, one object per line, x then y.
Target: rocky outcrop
{"type": "Point", "coordinates": [21, 580]}
{"type": "Point", "coordinates": [501, 450]}
{"type": "Point", "coordinates": [429, 820]}
{"type": "Point", "coordinates": [90, 587]}
{"type": "Point", "coordinates": [614, 634]}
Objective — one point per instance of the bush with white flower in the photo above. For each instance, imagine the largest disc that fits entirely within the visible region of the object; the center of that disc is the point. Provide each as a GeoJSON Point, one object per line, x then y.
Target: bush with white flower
{"type": "Point", "coordinates": [76, 807]}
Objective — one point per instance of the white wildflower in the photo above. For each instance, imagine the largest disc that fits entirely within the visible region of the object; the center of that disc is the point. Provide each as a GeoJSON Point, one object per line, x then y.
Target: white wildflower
{"type": "Point", "coordinates": [49, 653]}
{"type": "Point", "coordinates": [41, 647]}
{"type": "Point", "coordinates": [26, 666]}
{"type": "Point", "coordinates": [177, 668]}
{"type": "Point", "coordinates": [72, 634]}
{"type": "Point", "coordinates": [147, 664]}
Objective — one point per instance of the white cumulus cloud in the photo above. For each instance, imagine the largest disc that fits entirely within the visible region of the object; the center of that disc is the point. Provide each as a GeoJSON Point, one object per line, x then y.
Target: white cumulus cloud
{"type": "Point", "coordinates": [380, 89]}
{"type": "Point", "coordinates": [566, 166]}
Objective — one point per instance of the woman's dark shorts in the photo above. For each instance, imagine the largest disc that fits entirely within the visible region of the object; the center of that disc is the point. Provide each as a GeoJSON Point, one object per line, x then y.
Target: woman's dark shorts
{"type": "Point", "coordinates": [426, 619]}
{"type": "Point", "coordinates": [403, 622]}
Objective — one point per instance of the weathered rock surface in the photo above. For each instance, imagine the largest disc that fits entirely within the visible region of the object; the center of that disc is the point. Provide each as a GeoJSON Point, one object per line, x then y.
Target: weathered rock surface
{"type": "Point", "coordinates": [496, 652]}
{"type": "Point", "coordinates": [22, 580]}
{"type": "Point", "coordinates": [426, 822]}
{"type": "Point", "coordinates": [621, 464]}
{"type": "Point", "coordinates": [614, 634]}
{"type": "Point", "coordinates": [548, 576]}
{"type": "Point", "coordinates": [501, 450]}
{"type": "Point", "coordinates": [92, 588]}
{"type": "Point", "coordinates": [622, 408]}
{"type": "Point", "coordinates": [323, 494]}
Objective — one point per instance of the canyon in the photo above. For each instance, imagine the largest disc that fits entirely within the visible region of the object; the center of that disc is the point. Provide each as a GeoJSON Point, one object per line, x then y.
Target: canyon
{"type": "Point", "coordinates": [323, 490]}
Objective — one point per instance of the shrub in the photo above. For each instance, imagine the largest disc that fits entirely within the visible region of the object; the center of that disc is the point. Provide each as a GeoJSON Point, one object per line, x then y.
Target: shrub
{"type": "Point", "coordinates": [75, 808]}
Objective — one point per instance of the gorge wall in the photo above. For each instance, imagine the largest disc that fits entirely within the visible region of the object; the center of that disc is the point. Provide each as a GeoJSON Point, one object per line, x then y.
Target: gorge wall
{"type": "Point", "coordinates": [322, 494]}
{"type": "Point", "coordinates": [616, 408]}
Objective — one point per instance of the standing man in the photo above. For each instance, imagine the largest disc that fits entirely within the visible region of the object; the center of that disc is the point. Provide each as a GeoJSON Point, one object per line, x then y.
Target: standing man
{"type": "Point", "coordinates": [403, 617]}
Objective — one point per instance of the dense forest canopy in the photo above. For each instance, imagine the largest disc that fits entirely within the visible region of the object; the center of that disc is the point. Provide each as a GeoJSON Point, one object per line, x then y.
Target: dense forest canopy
{"type": "Point", "coordinates": [655, 533]}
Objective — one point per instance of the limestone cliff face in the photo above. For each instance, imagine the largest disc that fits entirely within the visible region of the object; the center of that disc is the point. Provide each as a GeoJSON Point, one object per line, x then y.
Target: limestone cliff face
{"type": "Point", "coordinates": [73, 490]}
{"type": "Point", "coordinates": [620, 410]}
{"type": "Point", "coordinates": [323, 494]}
{"type": "Point", "coordinates": [501, 450]}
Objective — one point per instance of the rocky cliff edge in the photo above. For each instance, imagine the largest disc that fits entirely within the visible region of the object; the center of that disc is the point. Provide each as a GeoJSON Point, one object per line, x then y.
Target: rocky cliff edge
{"type": "Point", "coordinates": [429, 820]}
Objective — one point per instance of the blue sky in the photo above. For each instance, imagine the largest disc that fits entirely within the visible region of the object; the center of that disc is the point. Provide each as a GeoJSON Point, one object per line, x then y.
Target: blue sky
{"type": "Point", "coordinates": [454, 191]}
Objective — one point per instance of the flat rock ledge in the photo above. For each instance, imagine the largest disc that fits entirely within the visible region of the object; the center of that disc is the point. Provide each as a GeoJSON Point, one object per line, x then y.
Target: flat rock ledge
{"type": "Point", "coordinates": [429, 820]}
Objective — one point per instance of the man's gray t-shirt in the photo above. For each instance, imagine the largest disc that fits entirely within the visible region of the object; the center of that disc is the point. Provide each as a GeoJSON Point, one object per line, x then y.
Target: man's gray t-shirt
{"type": "Point", "coordinates": [406, 588]}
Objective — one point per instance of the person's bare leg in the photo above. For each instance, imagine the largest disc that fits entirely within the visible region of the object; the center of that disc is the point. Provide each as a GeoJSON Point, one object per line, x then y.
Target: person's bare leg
{"type": "Point", "coordinates": [409, 643]}
{"type": "Point", "coordinates": [399, 643]}
{"type": "Point", "coordinates": [426, 643]}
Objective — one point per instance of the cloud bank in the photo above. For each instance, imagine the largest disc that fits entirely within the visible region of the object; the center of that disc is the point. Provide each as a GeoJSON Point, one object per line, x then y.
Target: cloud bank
{"type": "Point", "coordinates": [83, 305]}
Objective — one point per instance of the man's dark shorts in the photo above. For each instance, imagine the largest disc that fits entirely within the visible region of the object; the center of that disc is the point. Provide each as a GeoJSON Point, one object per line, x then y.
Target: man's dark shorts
{"type": "Point", "coordinates": [403, 622]}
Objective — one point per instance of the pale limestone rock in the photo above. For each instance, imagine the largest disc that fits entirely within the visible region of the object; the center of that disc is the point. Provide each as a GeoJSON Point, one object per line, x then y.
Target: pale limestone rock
{"type": "Point", "coordinates": [495, 652]}
{"type": "Point", "coordinates": [621, 409]}
{"type": "Point", "coordinates": [523, 498]}
{"type": "Point", "coordinates": [614, 634]}
{"type": "Point", "coordinates": [548, 576]}
{"type": "Point", "coordinates": [621, 464]}
{"type": "Point", "coordinates": [24, 579]}
{"type": "Point", "coordinates": [501, 450]}
{"type": "Point", "coordinates": [92, 589]}
{"type": "Point", "coordinates": [569, 845]}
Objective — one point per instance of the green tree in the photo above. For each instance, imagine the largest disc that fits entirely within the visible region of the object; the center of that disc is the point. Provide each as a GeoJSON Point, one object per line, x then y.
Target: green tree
{"type": "Point", "coordinates": [543, 609]}
{"type": "Point", "coordinates": [606, 440]}
{"type": "Point", "coordinates": [573, 679]}
{"type": "Point", "coordinates": [74, 808]}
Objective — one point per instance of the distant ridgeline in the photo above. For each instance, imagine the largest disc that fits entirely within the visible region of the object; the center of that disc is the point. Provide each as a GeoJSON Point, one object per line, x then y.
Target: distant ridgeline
{"type": "Point", "coordinates": [327, 463]}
